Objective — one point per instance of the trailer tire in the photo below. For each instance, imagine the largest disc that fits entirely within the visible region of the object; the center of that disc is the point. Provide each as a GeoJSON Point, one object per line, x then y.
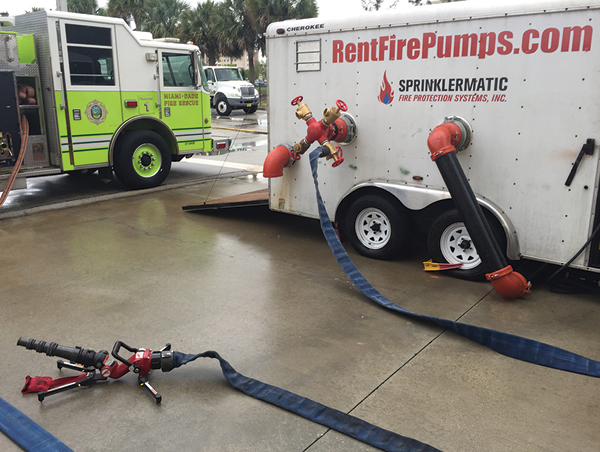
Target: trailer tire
{"type": "Point", "coordinates": [444, 241]}
{"type": "Point", "coordinates": [222, 106]}
{"type": "Point", "coordinates": [375, 227]}
{"type": "Point", "coordinates": [143, 159]}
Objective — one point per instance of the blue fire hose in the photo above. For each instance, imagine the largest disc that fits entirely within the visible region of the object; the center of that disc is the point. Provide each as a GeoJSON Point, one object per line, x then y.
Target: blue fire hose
{"type": "Point", "coordinates": [32, 437]}
{"type": "Point", "coordinates": [309, 409]}
{"type": "Point", "coordinates": [507, 344]}
{"type": "Point", "coordinates": [26, 433]}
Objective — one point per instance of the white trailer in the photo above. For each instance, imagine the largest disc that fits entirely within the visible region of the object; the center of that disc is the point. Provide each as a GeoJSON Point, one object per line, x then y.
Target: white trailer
{"type": "Point", "coordinates": [524, 76]}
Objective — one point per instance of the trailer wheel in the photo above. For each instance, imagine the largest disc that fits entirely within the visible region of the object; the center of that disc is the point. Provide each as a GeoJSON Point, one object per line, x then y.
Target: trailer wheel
{"type": "Point", "coordinates": [250, 110]}
{"type": "Point", "coordinates": [223, 107]}
{"type": "Point", "coordinates": [143, 159]}
{"type": "Point", "coordinates": [449, 242]}
{"type": "Point", "coordinates": [375, 227]}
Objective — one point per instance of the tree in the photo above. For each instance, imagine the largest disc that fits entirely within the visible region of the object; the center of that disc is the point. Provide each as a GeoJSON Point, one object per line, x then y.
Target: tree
{"type": "Point", "coordinates": [260, 69]}
{"type": "Point", "coordinates": [236, 32]}
{"type": "Point", "coordinates": [241, 24]}
{"type": "Point", "coordinates": [264, 12]}
{"type": "Point", "coordinates": [82, 6]}
{"type": "Point", "coordinates": [197, 25]}
{"type": "Point", "coordinates": [130, 11]}
{"type": "Point", "coordinates": [370, 5]}
{"type": "Point", "coordinates": [162, 17]}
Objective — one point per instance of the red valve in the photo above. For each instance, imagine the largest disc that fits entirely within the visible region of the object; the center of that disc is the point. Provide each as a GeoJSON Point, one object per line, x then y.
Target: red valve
{"type": "Point", "coordinates": [294, 156]}
{"type": "Point", "coordinates": [340, 104]}
{"type": "Point", "coordinates": [297, 100]}
{"type": "Point", "coordinates": [340, 155]}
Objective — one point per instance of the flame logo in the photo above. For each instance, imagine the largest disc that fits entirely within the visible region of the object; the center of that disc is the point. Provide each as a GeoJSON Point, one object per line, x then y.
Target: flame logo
{"type": "Point", "coordinates": [386, 94]}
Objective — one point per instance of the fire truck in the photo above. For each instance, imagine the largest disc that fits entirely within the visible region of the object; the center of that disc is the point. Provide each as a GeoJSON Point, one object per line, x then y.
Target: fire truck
{"type": "Point", "coordinates": [98, 96]}
{"type": "Point", "coordinates": [519, 79]}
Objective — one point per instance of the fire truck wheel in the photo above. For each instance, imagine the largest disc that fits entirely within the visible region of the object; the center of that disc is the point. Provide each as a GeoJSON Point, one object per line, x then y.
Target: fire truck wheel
{"type": "Point", "coordinates": [449, 242]}
{"type": "Point", "coordinates": [143, 159]}
{"type": "Point", "coordinates": [223, 107]}
{"type": "Point", "coordinates": [250, 110]}
{"type": "Point", "coordinates": [375, 227]}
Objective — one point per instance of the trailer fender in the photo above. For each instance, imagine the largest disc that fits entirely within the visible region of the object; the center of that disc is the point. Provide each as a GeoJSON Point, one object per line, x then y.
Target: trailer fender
{"type": "Point", "coordinates": [418, 198]}
{"type": "Point", "coordinates": [143, 122]}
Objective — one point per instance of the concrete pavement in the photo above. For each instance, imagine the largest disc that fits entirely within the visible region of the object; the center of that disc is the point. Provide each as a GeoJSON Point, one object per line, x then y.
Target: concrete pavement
{"type": "Point", "coordinates": [263, 289]}
{"type": "Point", "coordinates": [56, 192]}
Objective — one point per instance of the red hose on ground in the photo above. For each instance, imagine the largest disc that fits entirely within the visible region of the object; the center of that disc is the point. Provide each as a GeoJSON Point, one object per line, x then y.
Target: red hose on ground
{"type": "Point", "coordinates": [17, 167]}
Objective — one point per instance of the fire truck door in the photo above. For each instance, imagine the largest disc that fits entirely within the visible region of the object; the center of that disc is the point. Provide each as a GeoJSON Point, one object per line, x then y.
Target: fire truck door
{"type": "Point", "coordinates": [91, 89]}
{"type": "Point", "coordinates": [182, 101]}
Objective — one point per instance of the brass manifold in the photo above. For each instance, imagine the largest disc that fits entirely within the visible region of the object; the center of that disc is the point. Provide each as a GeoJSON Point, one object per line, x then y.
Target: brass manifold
{"type": "Point", "coordinates": [319, 131]}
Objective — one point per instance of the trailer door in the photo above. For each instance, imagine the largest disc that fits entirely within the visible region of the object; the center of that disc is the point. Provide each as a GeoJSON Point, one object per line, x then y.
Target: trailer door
{"type": "Point", "coordinates": [91, 92]}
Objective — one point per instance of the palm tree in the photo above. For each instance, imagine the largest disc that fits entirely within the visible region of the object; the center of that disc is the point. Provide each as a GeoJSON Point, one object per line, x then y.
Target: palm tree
{"type": "Point", "coordinates": [130, 11]}
{"type": "Point", "coordinates": [82, 6]}
{"type": "Point", "coordinates": [162, 17]}
{"type": "Point", "coordinates": [264, 12]}
{"type": "Point", "coordinates": [197, 26]}
{"type": "Point", "coordinates": [236, 31]}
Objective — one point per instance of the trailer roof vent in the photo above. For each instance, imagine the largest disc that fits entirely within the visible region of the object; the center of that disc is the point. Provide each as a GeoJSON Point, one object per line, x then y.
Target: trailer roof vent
{"type": "Point", "coordinates": [308, 55]}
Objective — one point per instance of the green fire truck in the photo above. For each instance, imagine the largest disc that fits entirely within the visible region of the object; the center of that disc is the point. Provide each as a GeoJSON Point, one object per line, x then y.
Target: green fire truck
{"type": "Point", "coordinates": [99, 96]}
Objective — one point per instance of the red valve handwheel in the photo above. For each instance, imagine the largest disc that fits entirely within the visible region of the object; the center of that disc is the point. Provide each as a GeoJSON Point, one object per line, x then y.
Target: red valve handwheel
{"type": "Point", "coordinates": [339, 161]}
{"type": "Point", "coordinates": [294, 156]}
{"type": "Point", "coordinates": [297, 100]}
{"type": "Point", "coordinates": [341, 105]}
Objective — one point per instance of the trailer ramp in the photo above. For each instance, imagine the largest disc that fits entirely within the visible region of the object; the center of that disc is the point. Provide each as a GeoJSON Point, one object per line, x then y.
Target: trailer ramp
{"type": "Point", "coordinates": [253, 198]}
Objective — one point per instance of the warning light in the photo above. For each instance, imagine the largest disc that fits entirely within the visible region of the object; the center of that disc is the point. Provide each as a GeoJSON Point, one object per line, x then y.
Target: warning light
{"type": "Point", "coordinates": [417, 178]}
{"type": "Point", "coordinates": [221, 145]}
{"type": "Point", "coordinates": [131, 103]}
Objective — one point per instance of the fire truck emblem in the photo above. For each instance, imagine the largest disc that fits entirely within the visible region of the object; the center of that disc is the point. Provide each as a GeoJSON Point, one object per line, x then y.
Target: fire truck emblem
{"type": "Point", "coordinates": [96, 112]}
{"type": "Point", "coordinates": [386, 93]}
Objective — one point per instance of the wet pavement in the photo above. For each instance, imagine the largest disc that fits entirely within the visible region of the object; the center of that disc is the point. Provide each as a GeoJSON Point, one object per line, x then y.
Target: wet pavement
{"type": "Point", "coordinates": [263, 289]}
{"type": "Point", "coordinates": [248, 133]}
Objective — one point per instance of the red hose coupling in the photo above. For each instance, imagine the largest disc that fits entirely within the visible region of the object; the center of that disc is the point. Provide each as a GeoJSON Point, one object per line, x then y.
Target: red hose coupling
{"type": "Point", "coordinates": [443, 140]}
{"type": "Point", "coordinates": [275, 161]}
{"type": "Point", "coordinates": [509, 283]}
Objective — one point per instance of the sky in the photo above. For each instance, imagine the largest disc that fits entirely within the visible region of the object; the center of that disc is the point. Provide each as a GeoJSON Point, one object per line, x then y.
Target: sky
{"type": "Point", "coordinates": [327, 8]}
